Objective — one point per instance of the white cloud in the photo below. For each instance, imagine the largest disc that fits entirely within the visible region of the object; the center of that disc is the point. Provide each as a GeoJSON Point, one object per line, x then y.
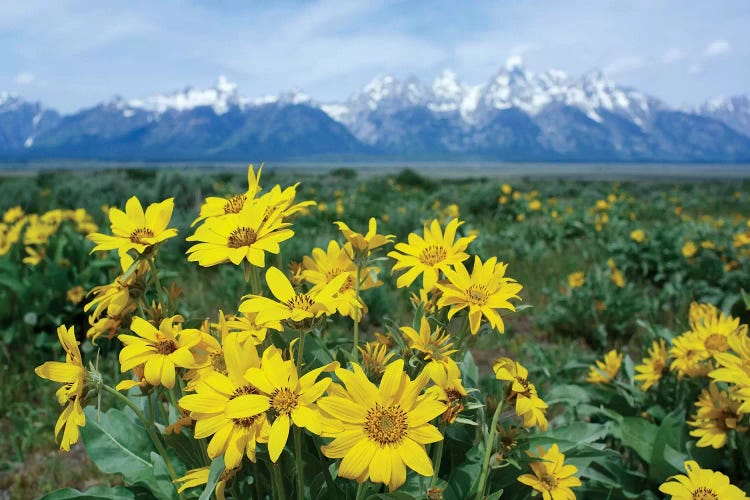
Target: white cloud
{"type": "Point", "coordinates": [695, 68]}
{"type": "Point", "coordinates": [716, 48]}
{"type": "Point", "coordinates": [673, 55]}
{"type": "Point", "coordinates": [24, 78]}
{"type": "Point", "coordinates": [624, 65]}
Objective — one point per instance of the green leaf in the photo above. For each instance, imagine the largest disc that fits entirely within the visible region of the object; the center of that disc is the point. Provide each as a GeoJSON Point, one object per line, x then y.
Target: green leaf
{"type": "Point", "coordinates": [217, 467]}
{"type": "Point", "coordinates": [667, 458]}
{"type": "Point", "coordinates": [639, 434]}
{"type": "Point", "coordinates": [567, 394]}
{"type": "Point", "coordinates": [162, 485]}
{"type": "Point", "coordinates": [117, 445]}
{"type": "Point", "coordinates": [469, 370]}
{"type": "Point", "coordinates": [464, 479]}
{"type": "Point", "coordinates": [95, 493]}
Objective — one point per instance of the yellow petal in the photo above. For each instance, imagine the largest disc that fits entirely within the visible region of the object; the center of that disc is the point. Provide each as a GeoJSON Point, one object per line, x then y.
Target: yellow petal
{"type": "Point", "coordinates": [278, 437]}
{"type": "Point", "coordinates": [415, 457]}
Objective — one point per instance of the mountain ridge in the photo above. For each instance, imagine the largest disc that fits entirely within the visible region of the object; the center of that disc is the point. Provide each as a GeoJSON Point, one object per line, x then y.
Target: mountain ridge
{"type": "Point", "coordinates": [514, 115]}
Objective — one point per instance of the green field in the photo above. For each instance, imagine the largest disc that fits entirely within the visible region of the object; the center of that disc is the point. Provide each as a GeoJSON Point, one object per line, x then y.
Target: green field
{"type": "Point", "coordinates": [648, 245]}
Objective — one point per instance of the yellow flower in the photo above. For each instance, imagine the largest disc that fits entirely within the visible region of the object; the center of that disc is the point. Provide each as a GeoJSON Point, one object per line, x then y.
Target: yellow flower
{"type": "Point", "coordinates": [299, 309]}
{"type": "Point", "coordinates": [35, 256]}
{"type": "Point", "coordinates": [216, 207]}
{"type": "Point", "coordinates": [290, 397]}
{"type": "Point", "coordinates": [379, 431]}
{"type": "Point", "coordinates": [576, 279]}
{"type": "Point", "coordinates": [605, 371]}
{"type": "Point", "coordinates": [375, 357]}
{"type": "Point", "coordinates": [535, 205]}
{"type": "Point", "coordinates": [689, 356]}
{"type": "Point", "coordinates": [734, 368]}
{"type": "Point", "coordinates": [715, 329]}
{"type": "Point", "coordinates": [689, 249]}
{"type": "Point", "coordinates": [209, 355]}
{"type": "Point", "coordinates": [328, 264]}
{"type": "Point", "coordinates": [427, 256]}
{"type": "Point", "coordinates": [448, 387]}
{"type": "Point", "coordinates": [135, 230]}
{"type": "Point", "coordinates": [601, 205]}
{"type": "Point", "coordinates": [75, 294]}
{"type": "Point", "coordinates": [551, 477]}
{"type": "Point", "coordinates": [639, 236]}
{"type": "Point", "coordinates": [72, 375]}
{"type": "Point", "coordinates": [484, 292]}
{"type": "Point", "coordinates": [365, 243]}
{"type": "Point", "coordinates": [13, 214]}
{"type": "Point", "coordinates": [214, 398]}
{"type": "Point", "coordinates": [435, 346]}
{"type": "Point", "coordinates": [700, 484]}
{"type": "Point", "coordinates": [717, 414]}
{"type": "Point", "coordinates": [248, 328]}
{"type": "Point", "coordinates": [652, 368]}
{"type": "Point", "coordinates": [506, 189]}
{"type": "Point", "coordinates": [617, 278]}
{"type": "Point", "coordinates": [160, 351]}
{"type": "Point", "coordinates": [246, 235]}
{"type": "Point", "coordinates": [113, 302]}
{"type": "Point", "coordinates": [529, 405]}
{"type": "Point", "coordinates": [199, 477]}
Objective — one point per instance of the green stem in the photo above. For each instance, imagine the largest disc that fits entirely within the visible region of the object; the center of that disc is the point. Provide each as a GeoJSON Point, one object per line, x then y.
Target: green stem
{"type": "Point", "coordinates": [355, 352]}
{"type": "Point", "coordinates": [149, 428]}
{"type": "Point", "coordinates": [300, 351]}
{"type": "Point", "coordinates": [462, 334]}
{"type": "Point", "coordinates": [159, 290]}
{"type": "Point", "coordinates": [298, 463]}
{"type": "Point", "coordinates": [255, 285]}
{"type": "Point", "coordinates": [437, 458]}
{"type": "Point", "coordinates": [256, 482]}
{"type": "Point", "coordinates": [488, 448]}
{"type": "Point", "coordinates": [279, 480]}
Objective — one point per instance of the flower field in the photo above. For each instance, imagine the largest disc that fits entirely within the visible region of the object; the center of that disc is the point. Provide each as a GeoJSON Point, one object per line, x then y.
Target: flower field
{"type": "Point", "coordinates": [279, 335]}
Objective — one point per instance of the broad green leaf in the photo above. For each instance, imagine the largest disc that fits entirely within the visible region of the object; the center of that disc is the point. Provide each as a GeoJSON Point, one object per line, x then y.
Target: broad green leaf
{"type": "Point", "coordinates": [162, 485]}
{"type": "Point", "coordinates": [638, 434]}
{"type": "Point", "coordinates": [464, 479]}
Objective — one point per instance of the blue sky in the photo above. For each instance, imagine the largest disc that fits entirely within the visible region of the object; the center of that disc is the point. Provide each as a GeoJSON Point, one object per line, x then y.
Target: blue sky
{"type": "Point", "coordinates": [74, 53]}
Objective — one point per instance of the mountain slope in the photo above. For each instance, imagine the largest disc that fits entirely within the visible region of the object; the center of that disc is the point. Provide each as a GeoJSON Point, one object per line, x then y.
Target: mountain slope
{"type": "Point", "coordinates": [515, 115]}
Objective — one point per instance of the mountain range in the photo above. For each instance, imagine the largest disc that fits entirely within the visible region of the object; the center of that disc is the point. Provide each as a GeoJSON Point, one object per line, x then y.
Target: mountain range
{"type": "Point", "coordinates": [516, 115]}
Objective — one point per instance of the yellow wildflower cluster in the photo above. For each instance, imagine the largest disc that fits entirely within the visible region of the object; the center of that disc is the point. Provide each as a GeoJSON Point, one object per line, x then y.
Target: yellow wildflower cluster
{"type": "Point", "coordinates": [34, 231]}
{"type": "Point", "coordinates": [246, 387]}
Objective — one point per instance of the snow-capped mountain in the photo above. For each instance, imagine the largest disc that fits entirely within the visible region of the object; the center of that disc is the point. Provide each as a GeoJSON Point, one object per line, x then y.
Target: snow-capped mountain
{"type": "Point", "coordinates": [734, 111]}
{"type": "Point", "coordinates": [515, 115]}
{"type": "Point", "coordinates": [21, 121]}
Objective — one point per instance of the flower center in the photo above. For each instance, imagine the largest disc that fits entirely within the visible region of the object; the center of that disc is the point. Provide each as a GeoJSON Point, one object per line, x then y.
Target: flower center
{"type": "Point", "coordinates": [243, 391]}
{"type": "Point", "coordinates": [386, 425]}
{"type": "Point", "coordinates": [704, 493]}
{"type": "Point", "coordinates": [234, 204]}
{"type": "Point", "coordinates": [241, 237]}
{"type": "Point", "coordinates": [716, 342]}
{"type": "Point", "coordinates": [433, 254]}
{"type": "Point", "coordinates": [453, 395]}
{"type": "Point", "coordinates": [139, 234]}
{"type": "Point", "coordinates": [477, 294]}
{"type": "Point", "coordinates": [302, 301]}
{"type": "Point", "coordinates": [283, 401]}
{"type": "Point", "coordinates": [548, 480]}
{"type": "Point", "coordinates": [218, 363]}
{"type": "Point", "coordinates": [166, 346]}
